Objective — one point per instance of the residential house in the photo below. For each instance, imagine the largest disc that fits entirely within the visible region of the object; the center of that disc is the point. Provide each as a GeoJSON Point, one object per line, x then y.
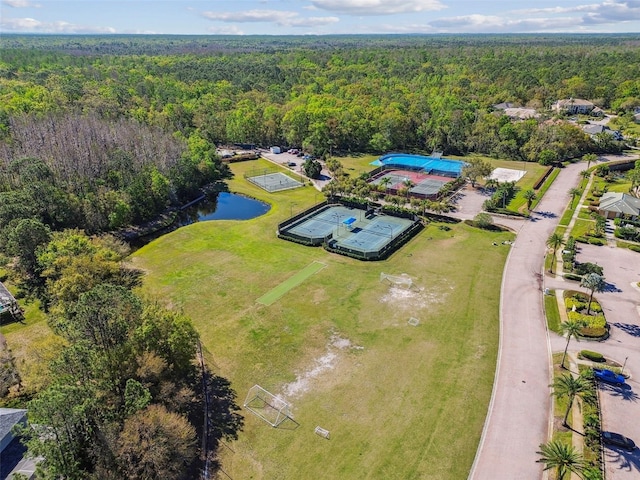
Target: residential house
{"type": "Point", "coordinates": [12, 453]}
{"type": "Point", "coordinates": [573, 106]}
{"type": "Point", "coordinates": [504, 106]}
{"type": "Point", "coordinates": [594, 129]}
{"type": "Point", "coordinates": [614, 204]}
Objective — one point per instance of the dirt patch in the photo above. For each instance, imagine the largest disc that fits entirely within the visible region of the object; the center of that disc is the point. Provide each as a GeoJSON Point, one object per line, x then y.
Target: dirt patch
{"type": "Point", "coordinates": [306, 380]}
{"type": "Point", "coordinates": [415, 298]}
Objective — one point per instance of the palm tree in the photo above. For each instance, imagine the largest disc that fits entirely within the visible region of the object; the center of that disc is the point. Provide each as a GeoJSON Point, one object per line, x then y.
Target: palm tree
{"type": "Point", "coordinates": [530, 196]}
{"type": "Point", "coordinates": [571, 328]}
{"type": "Point", "coordinates": [569, 386]}
{"type": "Point", "coordinates": [594, 283]}
{"type": "Point", "coordinates": [564, 458]}
{"type": "Point", "coordinates": [584, 174]}
{"type": "Point", "coordinates": [589, 157]}
{"type": "Point", "coordinates": [408, 185]}
{"type": "Point", "coordinates": [554, 242]}
{"type": "Point", "coordinates": [385, 182]}
{"type": "Point", "coordinates": [574, 192]}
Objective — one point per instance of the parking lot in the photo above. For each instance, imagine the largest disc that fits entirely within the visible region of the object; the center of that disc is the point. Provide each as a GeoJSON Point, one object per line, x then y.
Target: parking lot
{"type": "Point", "coordinates": [621, 304]}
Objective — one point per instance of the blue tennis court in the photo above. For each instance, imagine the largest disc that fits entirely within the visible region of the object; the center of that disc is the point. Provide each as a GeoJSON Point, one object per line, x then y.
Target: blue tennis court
{"type": "Point", "coordinates": [431, 165]}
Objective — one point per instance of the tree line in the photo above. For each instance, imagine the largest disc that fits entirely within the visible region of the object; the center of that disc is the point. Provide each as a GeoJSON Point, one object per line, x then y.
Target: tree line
{"type": "Point", "coordinates": [124, 397]}
{"type": "Point", "coordinates": [408, 93]}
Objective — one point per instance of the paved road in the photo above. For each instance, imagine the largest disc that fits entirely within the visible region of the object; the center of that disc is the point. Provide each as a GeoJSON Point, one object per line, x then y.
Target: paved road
{"type": "Point", "coordinates": [518, 420]}
{"type": "Point", "coordinates": [620, 303]}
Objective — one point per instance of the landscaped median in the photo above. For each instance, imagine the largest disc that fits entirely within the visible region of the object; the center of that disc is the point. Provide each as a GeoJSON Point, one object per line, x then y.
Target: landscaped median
{"type": "Point", "coordinates": [576, 428]}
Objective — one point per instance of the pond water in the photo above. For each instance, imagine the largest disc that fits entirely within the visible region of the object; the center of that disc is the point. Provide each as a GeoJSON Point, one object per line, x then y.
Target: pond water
{"type": "Point", "coordinates": [221, 206]}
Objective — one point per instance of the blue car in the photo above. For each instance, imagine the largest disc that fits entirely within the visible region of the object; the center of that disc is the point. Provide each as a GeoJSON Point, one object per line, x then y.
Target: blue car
{"type": "Point", "coordinates": [608, 376]}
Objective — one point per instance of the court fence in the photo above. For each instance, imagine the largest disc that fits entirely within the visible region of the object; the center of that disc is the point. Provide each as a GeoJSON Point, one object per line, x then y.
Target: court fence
{"type": "Point", "coordinates": [331, 244]}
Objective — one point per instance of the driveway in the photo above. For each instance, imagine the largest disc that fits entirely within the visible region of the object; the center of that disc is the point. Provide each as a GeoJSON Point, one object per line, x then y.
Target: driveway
{"type": "Point", "coordinates": [518, 420]}
{"type": "Point", "coordinates": [620, 303]}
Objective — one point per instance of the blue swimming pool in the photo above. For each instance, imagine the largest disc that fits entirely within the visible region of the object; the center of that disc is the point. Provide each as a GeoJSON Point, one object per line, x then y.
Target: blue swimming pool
{"type": "Point", "coordinates": [433, 165]}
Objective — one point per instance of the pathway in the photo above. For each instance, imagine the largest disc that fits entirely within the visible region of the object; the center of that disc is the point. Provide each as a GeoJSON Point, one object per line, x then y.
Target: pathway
{"type": "Point", "coordinates": [518, 420]}
{"type": "Point", "coordinates": [559, 267]}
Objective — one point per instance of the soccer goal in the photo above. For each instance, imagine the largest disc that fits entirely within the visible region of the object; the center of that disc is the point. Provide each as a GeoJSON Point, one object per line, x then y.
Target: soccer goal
{"type": "Point", "coordinates": [266, 406]}
{"type": "Point", "coordinates": [403, 280]}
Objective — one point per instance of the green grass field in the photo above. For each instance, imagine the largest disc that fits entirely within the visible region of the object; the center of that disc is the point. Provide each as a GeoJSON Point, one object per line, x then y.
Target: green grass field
{"type": "Point", "coordinates": [273, 295]}
{"type": "Point", "coordinates": [400, 401]}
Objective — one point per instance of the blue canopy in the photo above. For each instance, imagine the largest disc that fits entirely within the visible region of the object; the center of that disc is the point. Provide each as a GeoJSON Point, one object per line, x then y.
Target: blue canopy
{"type": "Point", "coordinates": [349, 221]}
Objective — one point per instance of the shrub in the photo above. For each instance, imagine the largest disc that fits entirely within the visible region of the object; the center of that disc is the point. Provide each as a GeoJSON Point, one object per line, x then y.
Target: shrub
{"type": "Point", "coordinates": [634, 248]}
{"type": "Point", "coordinates": [593, 321]}
{"type": "Point", "coordinates": [572, 301]}
{"type": "Point", "coordinates": [596, 241]}
{"type": "Point", "coordinates": [595, 307]}
{"type": "Point", "coordinates": [582, 240]}
{"type": "Point", "coordinates": [593, 332]}
{"type": "Point", "coordinates": [571, 276]}
{"type": "Point", "coordinates": [593, 356]}
{"type": "Point", "coordinates": [587, 267]}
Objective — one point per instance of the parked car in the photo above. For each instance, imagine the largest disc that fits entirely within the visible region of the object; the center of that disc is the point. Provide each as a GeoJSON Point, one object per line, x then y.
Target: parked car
{"type": "Point", "coordinates": [291, 164]}
{"type": "Point", "coordinates": [617, 440]}
{"type": "Point", "coordinates": [608, 376]}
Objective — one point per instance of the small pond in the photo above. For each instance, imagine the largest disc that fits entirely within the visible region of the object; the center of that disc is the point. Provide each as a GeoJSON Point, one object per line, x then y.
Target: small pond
{"type": "Point", "coordinates": [221, 206]}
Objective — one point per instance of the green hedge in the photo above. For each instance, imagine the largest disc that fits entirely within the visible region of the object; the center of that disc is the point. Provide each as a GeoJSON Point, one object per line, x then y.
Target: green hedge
{"type": "Point", "coordinates": [593, 356]}
{"type": "Point", "coordinates": [571, 276]}
{"type": "Point", "coordinates": [593, 332]}
{"type": "Point", "coordinates": [597, 241]}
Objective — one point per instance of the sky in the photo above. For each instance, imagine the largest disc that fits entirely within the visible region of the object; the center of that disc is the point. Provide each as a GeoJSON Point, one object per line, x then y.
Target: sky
{"type": "Point", "coordinates": [317, 17]}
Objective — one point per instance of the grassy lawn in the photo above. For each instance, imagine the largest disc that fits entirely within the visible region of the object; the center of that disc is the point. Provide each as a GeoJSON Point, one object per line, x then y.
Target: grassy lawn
{"type": "Point", "coordinates": [581, 227]}
{"type": "Point", "coordinates": [566, 216]}
{"type": "Point", "coordinates": [32, 344]}
{"type": "Point", "coordinates": [357, 165]}
{"type": "Point", "coordinates": [395, 397]}
{"type": "Point", "coordinates": [552, 312]}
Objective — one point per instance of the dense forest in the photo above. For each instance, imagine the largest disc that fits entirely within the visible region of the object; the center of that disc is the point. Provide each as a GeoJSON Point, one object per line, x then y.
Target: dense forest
{"type": "Point", "coordinates": [101, 132]}
{"type": "Point", "coordinates": [123, 126]}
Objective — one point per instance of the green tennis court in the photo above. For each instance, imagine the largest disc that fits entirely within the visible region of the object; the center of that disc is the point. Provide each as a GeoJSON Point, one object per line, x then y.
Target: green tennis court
{"type": "Point", "coordinates": [274, 294]}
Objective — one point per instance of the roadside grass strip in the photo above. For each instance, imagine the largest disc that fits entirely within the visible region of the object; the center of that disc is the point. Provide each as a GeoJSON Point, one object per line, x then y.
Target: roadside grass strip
{"type": "Point", "coordinates": [274, 294]}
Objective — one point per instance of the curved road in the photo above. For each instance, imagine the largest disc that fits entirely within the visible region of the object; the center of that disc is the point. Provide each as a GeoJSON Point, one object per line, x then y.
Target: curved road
{"type": "Point", "coordinates": [518, 420]}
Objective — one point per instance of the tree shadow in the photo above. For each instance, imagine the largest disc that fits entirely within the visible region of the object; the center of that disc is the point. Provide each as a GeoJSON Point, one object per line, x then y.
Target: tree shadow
{"type": "Point", "coordinates": [622, 459]}
{"type": "Point", "coordinates": [633, 330]}
{"type": "Point", "coordinates": [611, 288]}
{"type": "Point", "coordinates": [624, 392]}
{"type": "Point", "coordinates": [545, 214]}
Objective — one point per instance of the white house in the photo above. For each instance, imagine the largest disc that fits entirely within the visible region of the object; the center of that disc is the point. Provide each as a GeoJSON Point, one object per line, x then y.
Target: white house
{"type": "Point", "coordinates": [573, 106]}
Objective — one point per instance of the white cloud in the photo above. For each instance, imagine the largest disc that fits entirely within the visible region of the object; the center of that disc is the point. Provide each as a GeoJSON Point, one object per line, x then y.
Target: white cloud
{"type": "Point", "coordinates": [492, 23]}
{"type": "Point", "coordinates": [20, 3]}
{"type": "Point", "coordinates": [279, 17]}
{"type": "Point", "coordinates": [35, 26]}
{"type": "Point", "coordinates": [553, 19]}
{"type": "Point", "coordinates": [378, 7]}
